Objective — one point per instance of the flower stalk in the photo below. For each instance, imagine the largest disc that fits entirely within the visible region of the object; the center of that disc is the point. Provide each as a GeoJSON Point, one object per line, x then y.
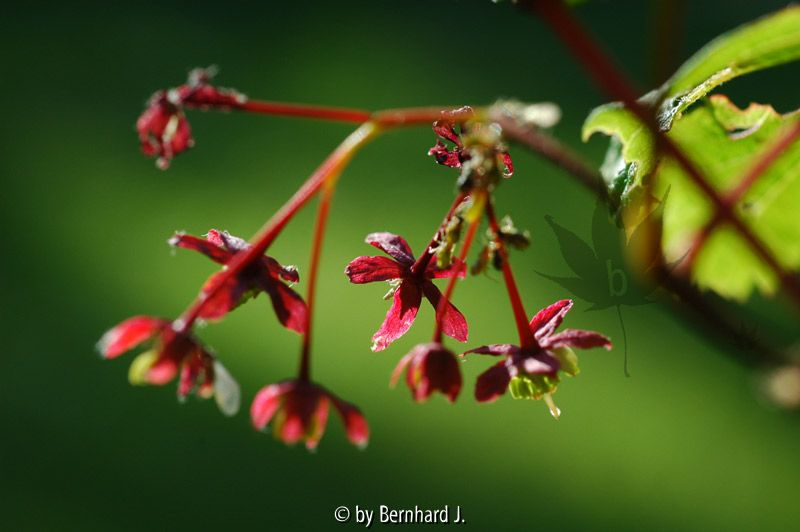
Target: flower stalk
{"type": "Point", "coordinates": [526, 337]}
{"type": "Point", "coordinates": [472, 228]}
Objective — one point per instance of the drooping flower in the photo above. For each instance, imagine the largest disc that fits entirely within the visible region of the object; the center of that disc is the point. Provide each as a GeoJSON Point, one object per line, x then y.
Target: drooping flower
{"type": "Point", "coordinates": [409, 285]}
{"type": "Point", "coordinates": [172, 352]}
{"type": "Point", "coordinates": [460, 151]}
{"type": "Point", "coordinates": [264, 275]}
{"type": "Point", "coordinates": [430, 367]}
{"type": "Point", "coordinates": [298, 411]}
{"type": "Point", "coordinates": [163, 128]}
{"type": "Point", "coordinates": [531, 372]}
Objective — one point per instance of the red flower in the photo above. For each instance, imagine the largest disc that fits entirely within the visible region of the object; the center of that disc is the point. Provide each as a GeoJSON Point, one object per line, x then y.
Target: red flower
{"type": "Point", "coordinates": [459, 153]}
{"type": "Point", "coordinates": [265, 275]}
{"type": "Point", "coordinates": [430, 367]}
{"type": "Point", "coordinates": [298, 411]}
{"type": "Point", "coordinates": [536, 367]}
{"type": "Point", "coordinates": [409, 285]}
{"type": "Point", "coordinates": [200, 371]}
{"type": "Point", "coordinates": [163, 129]}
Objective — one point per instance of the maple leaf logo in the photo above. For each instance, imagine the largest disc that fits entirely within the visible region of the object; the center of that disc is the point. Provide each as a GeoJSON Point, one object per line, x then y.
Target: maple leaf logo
{"type": "Point", "coordinates": [602, 277]}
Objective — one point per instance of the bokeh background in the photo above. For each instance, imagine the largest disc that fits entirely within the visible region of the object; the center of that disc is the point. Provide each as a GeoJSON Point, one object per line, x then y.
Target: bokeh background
{"type": "Point", "coordinates": [683, 443]}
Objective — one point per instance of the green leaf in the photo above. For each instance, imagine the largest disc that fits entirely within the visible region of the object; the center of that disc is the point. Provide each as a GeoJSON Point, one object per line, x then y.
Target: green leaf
{"type": "Point", "coordinates": [770, 41]}
{"type": "Point", "coordinates": [724, 141]}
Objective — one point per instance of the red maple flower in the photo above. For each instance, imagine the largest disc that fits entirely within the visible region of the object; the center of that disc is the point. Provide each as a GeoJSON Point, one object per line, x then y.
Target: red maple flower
{"type": "Point", "coordinates": [200, 371]}
{"type": "Point", "coordinates": [544, 358]}
{"type": "Point", "coordinates": [430, 367]}
{"type": "Point", "coordinates": [264, 275]}
{"type": "Point", "coordinates": [163, 128]}
{"type": "Point", "coordinates": [459, 153]}
{"type": "Point", "coordinates": [298, 410]}
{"type": "Point", "coordinates": [410, 283]}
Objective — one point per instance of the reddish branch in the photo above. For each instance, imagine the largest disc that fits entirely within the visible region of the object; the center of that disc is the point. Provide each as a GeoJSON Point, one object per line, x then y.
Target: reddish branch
{"type": "Point", "coordinates": [338, 114]}
{"type": "Point", "coordinates": [526, 337]}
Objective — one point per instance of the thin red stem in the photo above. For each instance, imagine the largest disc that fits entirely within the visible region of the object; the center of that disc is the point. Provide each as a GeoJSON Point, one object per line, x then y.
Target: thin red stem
{"type": "Point", "coordinates": [610, 79]}
{"type": "Point", "coordinates": [451, 282]}
{"type": "Point", "coordinates": [338, 114]}
{"type": "Point", "coordinates": [526, 337]}
{"type": "Point", "coordinates": [313, 269]}
{"type": "Point", "coordinates": [391, 118]}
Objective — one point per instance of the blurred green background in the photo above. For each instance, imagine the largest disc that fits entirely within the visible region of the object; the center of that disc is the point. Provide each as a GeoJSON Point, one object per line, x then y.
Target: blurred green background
{"type": "Point", "coordinates": [684, 443]}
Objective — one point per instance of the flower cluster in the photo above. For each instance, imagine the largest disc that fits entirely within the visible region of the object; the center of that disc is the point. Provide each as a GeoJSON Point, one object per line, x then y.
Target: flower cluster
{"type": "Point", "coordinates": [296, 410]}
{"type": "Point", "coordinates": [163, 128]}
{"type": "Point", "coordinates": [474, 147]}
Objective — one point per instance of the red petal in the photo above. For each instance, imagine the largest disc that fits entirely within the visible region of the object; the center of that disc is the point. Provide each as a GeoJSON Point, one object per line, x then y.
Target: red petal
{"type": "Point", "coordinates": [400, 316]}
{"type": "Point", "coordinates": [209, 96]}
{"type": "Point", "coordinates": [180, 139]}
{"type": "Point", "coordinates": [231, 243]}
{"type": "Point", "coordinates": [206, 247]}
{"type": "Point", "coordinates": [440, 371]}
{"type": "Point", "coordinates": [457, 267]}
{"type": "Point", "coordinates": [578, 339]}
{"type": "Point", "coordinates": [453, 322]}
{"type": "Point", "coordinates": [537, 365]}
{"type": "Point", "coordinates": [370, 269]}
{"type": "Point", "coordinates": [300, 409]}
{"type": "Point", "coordinates": [189, 374]}
{"type": "Point", "coordinates": [393, 245]}
{"type": "Point", "coordinates": [287, 273]}
{"type": "Point", "coordinates": [319, 420]}
{"type": "Point", "coordinates": [354, 422]}
{"type": "Point", "coordinates": [444, 156]}
{"type": "Point", "coordinates": [225, 299]}
{"type": "Point", "coordinates": [509, 165]}
{"type": "Point", "coordinates": [215, 237]}
{"type": "Point", "coordinates": [549, 318]}
{"type": "Point", "coordinates": [162, 371]}
{"type": "Point", "coordinates": [129, 334]}
{"type": "Point", "coordinates": [495, 349]}
{"type": "Point", "coordinates": [266, 403]}
{"type": "Point", "coordinates": [446, 130]}
{"type": "Point", "coordinates": [492, 383]}
{"type": "Point", "coordinates": [174, 349]}
{"type": "Point", "coordinates": [289, 306]}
